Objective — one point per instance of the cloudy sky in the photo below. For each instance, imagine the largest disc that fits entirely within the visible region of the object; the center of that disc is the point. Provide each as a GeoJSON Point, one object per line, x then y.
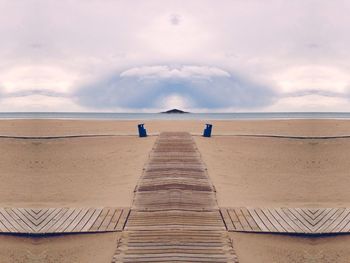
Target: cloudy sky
{"type": "Point", "coordinates": [205, 56]}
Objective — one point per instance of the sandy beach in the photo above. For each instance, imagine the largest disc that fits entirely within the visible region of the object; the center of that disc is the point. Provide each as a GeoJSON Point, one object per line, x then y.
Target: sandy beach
{"type": "Point", "coordinates": [246, 171]}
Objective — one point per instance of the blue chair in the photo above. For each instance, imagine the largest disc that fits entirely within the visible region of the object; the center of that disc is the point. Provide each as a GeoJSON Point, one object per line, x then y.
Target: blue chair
{"type": "Point", "coordinates": [142, 130]}
{"type": "Point", "coordinates": [207, 130]}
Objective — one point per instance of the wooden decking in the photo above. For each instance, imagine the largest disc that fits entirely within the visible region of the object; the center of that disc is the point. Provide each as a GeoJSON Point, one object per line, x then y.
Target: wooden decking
{"type": "Point", "coordinates": [287, 220]}
{"type": "Point", "coordinates": [175, 217]}
{"type": "Point", "coordinates": [62, 220]}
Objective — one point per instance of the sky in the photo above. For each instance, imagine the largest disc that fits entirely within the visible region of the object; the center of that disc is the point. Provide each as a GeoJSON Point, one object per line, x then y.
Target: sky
{"type": "Point", "coordinates": [197, 55]}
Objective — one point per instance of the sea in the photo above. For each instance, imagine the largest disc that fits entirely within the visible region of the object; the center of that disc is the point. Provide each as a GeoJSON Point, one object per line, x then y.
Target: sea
{"type": "Point", "coordinates": [187, 116]}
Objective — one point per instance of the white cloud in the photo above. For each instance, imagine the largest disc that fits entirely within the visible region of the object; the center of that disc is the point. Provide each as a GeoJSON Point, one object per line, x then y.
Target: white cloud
{"type": "Point", "coordinates": [36, 77]}
{"type": "Point", "coordinates": [33, 103]}
{"type": "Point", "coordinates": [312, 103]}
{"type": "Point", "coordinates": [313, 77]}
{"type": "Point", "coordinates": [175, 72]}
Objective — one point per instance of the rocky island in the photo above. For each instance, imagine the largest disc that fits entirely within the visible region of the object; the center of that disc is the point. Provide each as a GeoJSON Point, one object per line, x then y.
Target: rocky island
{"type": "Point", "coordinates": [176, 111]}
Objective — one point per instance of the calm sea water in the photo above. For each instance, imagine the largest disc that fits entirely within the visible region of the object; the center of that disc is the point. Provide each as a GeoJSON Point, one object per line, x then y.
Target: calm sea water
{"type": "Point", "coordinates": [189, 116]}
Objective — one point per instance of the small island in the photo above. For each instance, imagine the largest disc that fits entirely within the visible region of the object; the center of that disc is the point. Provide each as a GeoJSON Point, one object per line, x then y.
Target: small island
{"type": "Point", "coordinates": [176, 111]}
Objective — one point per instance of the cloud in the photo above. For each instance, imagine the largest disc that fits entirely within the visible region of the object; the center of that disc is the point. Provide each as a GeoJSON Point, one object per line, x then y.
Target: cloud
{"type": "Point", "coordinates": [301, 47]}
{"type": "Point", "coordinates": [156, 87]}
{"type": "Point", "coordinates": [312, 103]}
{"type": "Point", "coordinates": [40, 92]}
{"type": "Point", "coordinates": [35, 102]}
{"type": "Point", "coordinates": [177, 72]}
{"type": "Point", "coordinates": [317, 92]}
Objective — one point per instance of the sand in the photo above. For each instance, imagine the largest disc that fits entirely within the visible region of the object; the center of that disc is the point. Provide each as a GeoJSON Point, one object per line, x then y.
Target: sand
{"type": "Point", "coordinates": [69, 127]}
{"type": "Point", "coordinates": [71, 172]}
{"type": "Point", "coordinates": [278, 248]}
{"type": "Point", "coordinates": [87, 248]}
{"type": "Point", "coordinates": [246, 171]}
{"type": "Point", "coordinates": [272, 172]}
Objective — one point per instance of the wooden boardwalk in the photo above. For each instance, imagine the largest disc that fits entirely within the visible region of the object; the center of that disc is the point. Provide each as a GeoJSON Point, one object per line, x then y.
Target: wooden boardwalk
{"type": "Point", "coordinates": [175, 217]}
{"type": "Point", "coordinates": [62, 220]}
{"type": "Point", "coordinates": [311, 221]}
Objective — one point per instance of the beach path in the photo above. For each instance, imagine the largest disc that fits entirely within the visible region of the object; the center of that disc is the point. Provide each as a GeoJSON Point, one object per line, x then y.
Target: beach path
{"type": "Point", "coordinates": [175, 216]}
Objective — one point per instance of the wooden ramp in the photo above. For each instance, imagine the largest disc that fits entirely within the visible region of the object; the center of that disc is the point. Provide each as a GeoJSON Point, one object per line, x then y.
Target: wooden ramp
{"type": "Point", "coordinates": [311, 221]}
{"type": "Point", "coordinates": [62, 220]}
{"type": "Point", "coordinates": [175, 217]}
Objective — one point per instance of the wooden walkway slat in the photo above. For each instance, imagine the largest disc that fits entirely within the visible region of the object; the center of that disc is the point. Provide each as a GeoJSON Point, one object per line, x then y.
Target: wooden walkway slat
{"type": "Point", "coordinates": [287, 220]}
{"type": "Point", "coordinates": [60, 220]}
{"type": "Point", "coordinates": [174, 199]}
{"type": "Point", "coordinates": [54, 220]}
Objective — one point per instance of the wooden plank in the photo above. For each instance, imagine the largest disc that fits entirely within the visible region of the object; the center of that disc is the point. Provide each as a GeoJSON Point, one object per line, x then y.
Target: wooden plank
{"type": "Point", "coordinates": [281, 221]}
{"type": "Point", "coordinates": [292, 220]}
{"type": "Point", "coordinates": [17, 222]}
{"type": "Point", "coordinates": [5, 220]}
{"type": "Point", "coordinates": [31, 228]}
{"type": "Point", "coordinates": [83, 221]}
{"type": "Point", "coordinates": [342, 218]}
{"type": "Point", "coordinates": [122, 220]}
{"type": "Point", "coordinates": [34, 220]}
{"type": "Point", "coordinates": [309, 217]}
{"type": "Point", "coordinates": [237, 224]}
{"type": "Point", "coordinates": [3, 228]}
{"type": "Point", "coordinates": [48, 219]}
{"type": "Point", "coordinates": [93, 218]}
{"type": "Point", "coordinates": [54, 220]}
{"type": "Point", "coordinates": [273, 221]}
{"type": "Point", "coordinates": [100, 219]}
{"type": "Point", "coordinates": [257, 220]}
{"type": "Point", "coordinates": [227, 219]}
{"type": "Point", "coordinates": [305, 224]}
{"type": "Point", "coordinates": [330, 221]}
{"type": "Point", "coordinates": [242, 219]}
{"type": "Point", "coordinates": [56, 226]}
{"type": "Point", "coordinates": [319, 212]}
{"type": "Point", "coordinates": [324, 219]}
{"type": "Point", "coordinates": [76, 220]}
{"type": "Point", "coordinates": [114, 220]}
{"type": "Point", "coordinates": [286, 219]}
{"type": "Point", "coordinates": [346, 228]}
{"type": "Point", "coordinates": [107, 220]}
{"type": "Point", "coordinates": [69, 220]}
{"type": "Point", "coordinates": [266, 221]}
{"type": "Point", "coordinates": [250, 219]}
